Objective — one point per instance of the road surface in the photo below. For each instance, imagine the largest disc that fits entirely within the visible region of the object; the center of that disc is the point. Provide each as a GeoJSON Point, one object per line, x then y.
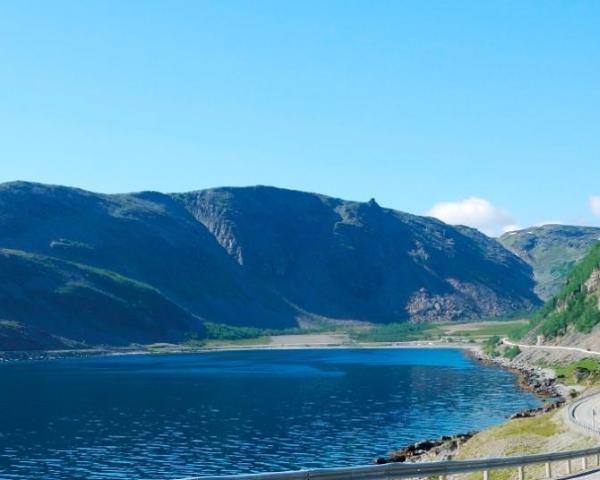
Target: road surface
{"type": "Point", "coordinates": [584, 412]}
{"type": "Point", "coordinates": [506, 341]}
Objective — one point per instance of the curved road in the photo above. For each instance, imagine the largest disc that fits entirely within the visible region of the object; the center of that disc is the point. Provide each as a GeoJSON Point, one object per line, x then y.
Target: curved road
{"type": "Point", "coordinates": [585, 412]}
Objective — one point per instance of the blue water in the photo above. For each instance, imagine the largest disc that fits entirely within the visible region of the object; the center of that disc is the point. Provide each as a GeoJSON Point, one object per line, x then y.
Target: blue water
{"type": "Point", "coordinates": [166, 417]}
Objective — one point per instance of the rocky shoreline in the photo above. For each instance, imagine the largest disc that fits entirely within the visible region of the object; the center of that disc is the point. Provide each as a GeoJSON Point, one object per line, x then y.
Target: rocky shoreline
{"type": "Point", "coordinates": [538, 380]}
{"type": "Point", "coordinates": [541, 381]}
{"type": "Point", "coordinates": [444, 446]}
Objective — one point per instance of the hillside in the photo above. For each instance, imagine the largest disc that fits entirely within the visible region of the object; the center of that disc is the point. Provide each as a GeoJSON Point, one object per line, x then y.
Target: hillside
{"type": "Point", "coordinates": [552, 251]}
{"type": "Point", "coordinates": [148, 266]}
{"type": "Point", "coordinates": [146, 237]}
{"type": "Point", "coordinates": [572, 317]}
{"type": "Point", "coordinates": [72, 301]}
{"type": "Point", "coordinates": [353, 260]}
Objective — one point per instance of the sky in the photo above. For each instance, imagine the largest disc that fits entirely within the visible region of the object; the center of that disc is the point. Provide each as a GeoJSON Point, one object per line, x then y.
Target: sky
{"type": "Point", "coordinates": [482, 113]}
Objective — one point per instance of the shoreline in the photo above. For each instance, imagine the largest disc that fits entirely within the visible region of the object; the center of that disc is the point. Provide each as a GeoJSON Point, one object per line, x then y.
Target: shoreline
{"type": "Point", "coordinates": [10, 356]}
{"type": "Point", "coordinates": [539, 381]}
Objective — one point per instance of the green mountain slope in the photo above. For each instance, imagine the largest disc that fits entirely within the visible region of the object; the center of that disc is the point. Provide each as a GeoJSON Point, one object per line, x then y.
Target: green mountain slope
{"type": "Point", "coordinates": [143, 267]}
{"type": "Point", "coordinates": [83, 304]}
{"type": "Point", "coordinates": [576, 308]}
{"type": "Point", "coordinates": [552, 251]}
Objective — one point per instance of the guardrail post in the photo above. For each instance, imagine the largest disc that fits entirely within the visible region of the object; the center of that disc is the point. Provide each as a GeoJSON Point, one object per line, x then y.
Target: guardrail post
{"type": "Point", "coordinates": [521, 471]}
{"type": "Point", "coordinates": [569, 466]}
{"type": "Point", "coordinates": [548, 469]}
{"type": "Point", "coordinates": [486, 475]}
{"type": "Point", "coordinates": [584, 463]}
{"type": "Point", "coordinates": [597, 460]}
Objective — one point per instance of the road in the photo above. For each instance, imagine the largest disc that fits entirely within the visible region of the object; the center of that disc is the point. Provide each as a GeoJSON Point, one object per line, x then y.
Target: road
{"type": "Point", "coordinates": [506, 341]}
{"type": "Point", "coordinates": [585, 412]}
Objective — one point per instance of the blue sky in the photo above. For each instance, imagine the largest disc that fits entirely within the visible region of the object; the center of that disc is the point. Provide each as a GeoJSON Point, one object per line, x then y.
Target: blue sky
{"type": "Point", "coordinates": [489, 111]}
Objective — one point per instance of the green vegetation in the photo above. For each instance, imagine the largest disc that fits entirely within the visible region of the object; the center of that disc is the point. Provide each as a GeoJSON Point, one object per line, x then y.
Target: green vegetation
{"type": "Point", "coordinates": [502, 328]}
{"type": "Point", "coordinates": [219, 334]}
{"type": "Point", "coordinates": [398, 332]}
{"type": "Point", "coordinates": [586, 369]}
{"type": "Point", "coordinates": [511, 352]}
{"type": "Point", "coordinates": [216, 331]}
{"type": "Point", "coordinates": [450, 331]}
{"type": "Point", "coordinates": [489, 346]}
{"type": "Point", "coordinates": [523, 436]}
{"type": "Point", "coordinates": [79, 303]}
{"type": "Point", "coordinates": [519, 331]}
{"type": "Point", "coordinates": [573, 304]}
{"type": "Point", "coordinates": [541, 426]}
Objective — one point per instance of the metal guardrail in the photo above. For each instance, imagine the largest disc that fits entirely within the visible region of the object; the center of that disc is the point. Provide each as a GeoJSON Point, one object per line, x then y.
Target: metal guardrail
{"type": "Point", "coordinates": [592, 428]}
{"type": "Point", "coordinates": [392, 471]}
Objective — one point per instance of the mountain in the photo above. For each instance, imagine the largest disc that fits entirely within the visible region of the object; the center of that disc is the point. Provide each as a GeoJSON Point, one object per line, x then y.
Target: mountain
{"type": "Point", "coordinates": [350, 260]}
{"type": "Point", "coordinates": [572, 317]}
{"type": "Point", "coordinates": [552, 251]}
{"type": "Point", "coordinates": [78, 266]}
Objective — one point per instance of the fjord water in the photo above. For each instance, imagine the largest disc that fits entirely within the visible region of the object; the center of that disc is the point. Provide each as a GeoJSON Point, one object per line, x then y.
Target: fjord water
{"type": "Point", "coordinates": [166, 417]}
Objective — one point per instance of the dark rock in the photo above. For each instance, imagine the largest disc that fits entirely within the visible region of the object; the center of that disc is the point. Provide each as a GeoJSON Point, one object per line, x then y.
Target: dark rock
{"type": "Point", "coordinates": [414, 451]}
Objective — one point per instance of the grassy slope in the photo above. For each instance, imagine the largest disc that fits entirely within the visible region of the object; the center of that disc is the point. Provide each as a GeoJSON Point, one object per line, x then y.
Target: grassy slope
{"type": "Point", "coordinates": [573, 305]}
{"type": "Point", "coordinates": [16, 336]}
{"type": "Point", "coordinates": [524, 436]}
{"type": "Point", "coordinates": [86, 304]}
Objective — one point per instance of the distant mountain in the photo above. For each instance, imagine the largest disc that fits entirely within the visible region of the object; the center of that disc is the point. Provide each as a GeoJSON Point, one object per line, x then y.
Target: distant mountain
{"type": "Point", "coordinates": [552, 251]}
{"type": "Point", "coordinates": [572, 317]}
{"type": "Point", "coordinates": [77, 266]}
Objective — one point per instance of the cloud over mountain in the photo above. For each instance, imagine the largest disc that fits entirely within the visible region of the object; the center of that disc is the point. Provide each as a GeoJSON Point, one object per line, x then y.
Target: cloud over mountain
{"type": "Point", "coordinates": [475, 212]}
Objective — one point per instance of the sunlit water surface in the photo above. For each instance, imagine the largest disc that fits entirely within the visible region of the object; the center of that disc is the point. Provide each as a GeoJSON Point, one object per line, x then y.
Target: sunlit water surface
{"type": "Point", "coordinates": [167, 417]}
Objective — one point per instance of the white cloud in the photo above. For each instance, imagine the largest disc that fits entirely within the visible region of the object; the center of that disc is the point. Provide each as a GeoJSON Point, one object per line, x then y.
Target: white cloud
{"type": "Point", "coordinates": [511, 227]}
{"type": "Point", "coordinates": [474, 212]}
{"type": "Point", "coordinates": [595, 205]}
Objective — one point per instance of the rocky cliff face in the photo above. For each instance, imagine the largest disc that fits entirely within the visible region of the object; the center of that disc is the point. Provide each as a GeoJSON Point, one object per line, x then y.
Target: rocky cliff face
{"type": "Point", "coordinates": [150, 266]}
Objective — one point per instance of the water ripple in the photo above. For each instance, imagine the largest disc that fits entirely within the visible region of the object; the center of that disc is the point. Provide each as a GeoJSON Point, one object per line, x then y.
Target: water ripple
{"type": "Point", "coordinates": [165, 417]}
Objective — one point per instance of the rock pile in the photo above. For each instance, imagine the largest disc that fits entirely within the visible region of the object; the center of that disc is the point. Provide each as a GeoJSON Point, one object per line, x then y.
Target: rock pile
{"type": "Point", "coordinates": [445, 445]}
